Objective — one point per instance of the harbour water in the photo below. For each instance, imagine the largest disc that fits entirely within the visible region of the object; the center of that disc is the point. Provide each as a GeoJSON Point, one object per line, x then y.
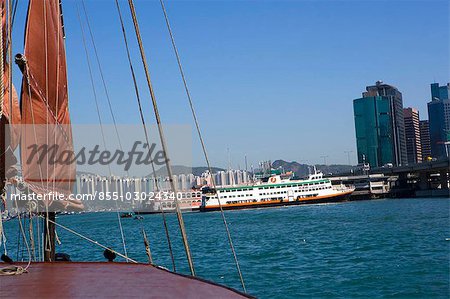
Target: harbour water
{"type": "Point", "coordinates": [381, 248]}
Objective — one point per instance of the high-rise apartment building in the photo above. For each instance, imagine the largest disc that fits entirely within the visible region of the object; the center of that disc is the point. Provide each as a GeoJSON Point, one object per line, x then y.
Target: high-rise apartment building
{"type": "Point", "coordinates": [412, 133]}
{"type": "Point", "coordinates": [425, 139]}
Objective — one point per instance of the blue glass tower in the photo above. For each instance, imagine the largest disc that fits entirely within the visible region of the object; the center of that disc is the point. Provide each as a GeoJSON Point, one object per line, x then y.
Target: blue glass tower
{"type": "Point", "coordinates": [439, 119]}
{"type": "Point", "coordinates": [373, 124]}
{"type": "Point", "coordinates": [380, 126]}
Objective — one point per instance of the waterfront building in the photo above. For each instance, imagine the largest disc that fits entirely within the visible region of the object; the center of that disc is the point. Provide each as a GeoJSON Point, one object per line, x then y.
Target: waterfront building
{"type": "Point", "coordinates": [425, 139]}
{"type": "Point", "coordinates": [439, 120]}
{"type": "Point", "coordinates": [380, 127]}
{"type": "Point", "coordinates": [373, 126]}
{"type": "Point", "coordinates": [398, 126]}
{"type": "Point", "coordinates": [412, 133]}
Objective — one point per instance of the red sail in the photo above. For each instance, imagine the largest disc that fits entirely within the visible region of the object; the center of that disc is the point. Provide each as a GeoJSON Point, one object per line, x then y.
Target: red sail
{"type": "Point", "coordinates": [9, 131]}
{"type": "Point", "coordinates": [44, 102]}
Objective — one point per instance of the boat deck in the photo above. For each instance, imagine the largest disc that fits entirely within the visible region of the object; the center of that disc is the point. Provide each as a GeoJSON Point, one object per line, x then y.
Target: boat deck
{"type": "Point", "coordinates": [103, 279]}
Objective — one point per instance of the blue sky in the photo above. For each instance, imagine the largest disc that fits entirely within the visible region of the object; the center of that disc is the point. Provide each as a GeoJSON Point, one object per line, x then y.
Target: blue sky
{"type": "Point", "coordinates": [270, 79]}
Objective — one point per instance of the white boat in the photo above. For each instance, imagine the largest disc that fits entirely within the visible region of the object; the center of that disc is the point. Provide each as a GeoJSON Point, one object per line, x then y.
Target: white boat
{"type": "Point", "coordinates": [275, 190]}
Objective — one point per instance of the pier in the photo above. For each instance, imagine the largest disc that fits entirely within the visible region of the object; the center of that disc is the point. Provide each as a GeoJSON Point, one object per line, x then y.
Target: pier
{"type": "Point", "coordinates": [427, 179]}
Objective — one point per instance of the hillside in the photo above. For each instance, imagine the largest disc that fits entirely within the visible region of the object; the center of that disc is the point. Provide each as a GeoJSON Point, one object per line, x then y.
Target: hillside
{"type": "Point", "coordinates": [302, 170]}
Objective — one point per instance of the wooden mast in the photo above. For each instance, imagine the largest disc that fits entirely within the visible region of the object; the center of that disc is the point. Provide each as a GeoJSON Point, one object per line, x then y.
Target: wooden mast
{"type": "Point", "coordinates": [162, 139]}
{"type": "Point", "coordinates": [50, 217]}
{"type": "Point", "coordinates": [49, 238]}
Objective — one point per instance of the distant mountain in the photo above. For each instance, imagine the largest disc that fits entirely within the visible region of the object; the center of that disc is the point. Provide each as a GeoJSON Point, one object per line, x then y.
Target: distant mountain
{"type": "Point", "coordinates": [302, 170]}
{"type": "Point", "coordinates": [180, 169]}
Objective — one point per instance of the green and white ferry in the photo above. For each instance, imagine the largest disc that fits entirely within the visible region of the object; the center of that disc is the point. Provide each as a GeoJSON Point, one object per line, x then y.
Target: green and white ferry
{"type": "Point", "coordinates": [275, 190]}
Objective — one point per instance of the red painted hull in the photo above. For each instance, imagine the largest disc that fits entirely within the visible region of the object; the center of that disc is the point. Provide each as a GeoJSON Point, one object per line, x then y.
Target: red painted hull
{"type": "Point", "coordinates": [107, 280]}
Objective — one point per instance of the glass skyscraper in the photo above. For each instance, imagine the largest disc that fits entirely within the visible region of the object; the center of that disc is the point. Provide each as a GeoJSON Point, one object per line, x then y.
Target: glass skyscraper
{"type": "Point", "coordinates": [373, 124]}
{"type": "Point", "coordinates": [380, 126]}
{"type": "Point", "coordinates": [439, 119]}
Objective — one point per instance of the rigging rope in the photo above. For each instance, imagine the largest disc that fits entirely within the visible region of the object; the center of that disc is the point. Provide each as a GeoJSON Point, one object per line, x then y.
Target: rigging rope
{"type": "Point", "coordinates": [38, 232]}
{"type": "Point", "coordinates": [12, 270]}
{"type": "Point", "coordinates": [2, 87]}
{"type": "Point", "coordinates": [27, 80]}
{"type": "Point", "coordinates": [141, 113]}
{"type": "Point", "coordinates": [146, 242]}
{"type": "Point", "coordinates": [22, 231]}
{"type": "Point", "coordinates": [2, 235]}
{"type": "Point", "coordinates": [2, 67]}
{"type": "Point", "coordinates": [147, 248]}
{"type": "Point", "coordinates": [91, 240]}
{"type": "Point", "coordinates": [18, 243]}
{"type": "Point", "coordinates": [10, 56]}
{"type": "Point", "coordinates": [100, 121]}
{"type": "Point", "coordinates": [197, 125]}
{"type": "Point", "coordinates": [48, 241]}
{"type": "Point", "coordinates": [3, 207]}
{"type": "Point", "coordinates": [31, 235]}
{"type": "Point", "coordinates": [162, 138]}
{"type": "Point", "coordinates": [101, 73]}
